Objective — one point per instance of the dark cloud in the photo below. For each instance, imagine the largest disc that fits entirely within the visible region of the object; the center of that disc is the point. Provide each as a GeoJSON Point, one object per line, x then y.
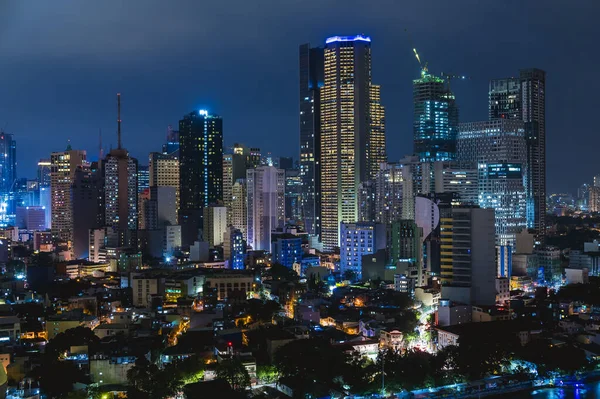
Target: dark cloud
{"type": "Point", "coordinates": [62, 61]}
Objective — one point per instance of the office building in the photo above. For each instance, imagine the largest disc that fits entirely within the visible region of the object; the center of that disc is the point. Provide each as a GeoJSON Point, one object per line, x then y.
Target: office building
{"type": "Point", "coordinates": [266, 205]}
{"type": "Point", "coordinates": [201, 169]}
{"type": "Point", "coordinates": [497, 149]}
{"type": "Point", "coordinates": [352, 135]}
{"type": "Point", "coordinates": [524, 98]}
{"type": "Point", "coordinates": [86, 201]}
{"type": "Point", "coordinates": [358, 239]}
{"type": "Point", "coordinates": [468, 253]}
{"type": "Point", "coordinates": [215, 224]}
{"type": "Point", "coordinates": [234, 248]}
{"type": "Point", "coordinates": [311, 83]}
{"type": "Point", "coordinates": [239, 206]}
{"type": "Point", "coordinates": [435, 123]}
{"type": "Point", "coordinates": [63, 167]}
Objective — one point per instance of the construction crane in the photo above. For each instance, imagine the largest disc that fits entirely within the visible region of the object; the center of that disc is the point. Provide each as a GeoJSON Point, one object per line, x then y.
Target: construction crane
{"type": "Point", "coordinates": [450, 76]}
{"type": "Point", "coordinates": [421, 64]}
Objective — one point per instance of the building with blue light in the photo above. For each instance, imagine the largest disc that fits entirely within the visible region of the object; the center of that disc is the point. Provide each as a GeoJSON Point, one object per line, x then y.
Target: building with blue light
{"type": "Point", "coordinates": [358, 239]}
{"type": "Point", "coordinates": [234, 248]}
{"type": "Point", "coordinates": [8, 162]}
{"type": "Point", "coordinates": [286, 249]}
{"type": "Point", "coordinates": [201, 169]}
{"type": "Point", "coordinates": [435, 123]}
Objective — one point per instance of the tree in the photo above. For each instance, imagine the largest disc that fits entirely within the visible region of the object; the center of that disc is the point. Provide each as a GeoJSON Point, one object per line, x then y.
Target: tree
{"type": "Point", "coordinates": [77, 336]}
{"type": "Point", "coordinates": [267, 374]}
{"type": "Point", "coordinates": [279, 272]}
{"type": "Point", "coordinates": [314, 362]}
{"type": "Point", "coordinates": [234, 372]}
{"type": "Point", "coordinates": [57, 377]}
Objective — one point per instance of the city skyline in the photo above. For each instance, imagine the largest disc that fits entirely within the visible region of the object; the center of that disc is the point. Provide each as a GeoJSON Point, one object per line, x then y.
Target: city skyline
{"type": "Point", "coordinates": [78, 112]}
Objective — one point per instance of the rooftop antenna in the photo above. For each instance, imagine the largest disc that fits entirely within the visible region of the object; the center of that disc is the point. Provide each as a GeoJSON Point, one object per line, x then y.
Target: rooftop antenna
{"type": "Point", "coordinates": [100, 151]}
{"type": "Point", "coordinates": [119, 121]}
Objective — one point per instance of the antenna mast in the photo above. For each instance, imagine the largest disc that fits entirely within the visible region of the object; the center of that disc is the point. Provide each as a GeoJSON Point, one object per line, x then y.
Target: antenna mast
{"type": "Point", "coordinates": [119, 121]}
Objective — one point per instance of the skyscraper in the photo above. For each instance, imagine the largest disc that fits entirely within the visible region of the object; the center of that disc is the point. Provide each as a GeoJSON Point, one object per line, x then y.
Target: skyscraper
{"type": "Point", "coordinates": [311, 81]}
{"type": "Point", "coordinates": [351, 132]}
{"type": "Point", "coordinates": [239, 206]}
{"type": "Point", "coordinates": [524, 98]}
{"type": "Point", "coordinates": [497, 149]}
{"type": "Point", "coordinates": [376, 151]}
{"type": "Point", "coordinates": [533, 94]}
{"type": "Point", "coordinates": [8, 162]}
{"type": "Point", "coordinates": [266, 205]}
{"type": "Point", "coordinates": [201, 169]}
{"type": "Point", "coordinates": [63, 167]}
{"type": "Point", "coordinates": [120, 173]}
{"type": "Point", "coordinates": [435, 123]}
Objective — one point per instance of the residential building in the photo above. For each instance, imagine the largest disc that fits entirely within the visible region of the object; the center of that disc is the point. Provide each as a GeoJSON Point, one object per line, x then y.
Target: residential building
{"type": "Point", "coordinates": [121, 198]}
{"type": "Point", "coordinates": [352, 136]}
{"type": "Point", "coordinates": [164, 172]}
{"type": "Point", "coordinates": [215, 224]}
{"type": "Point", "coordinates": [63, 167]}
{"type": "Point", "coordinates": [406, 245]}
{"type": "Point", "coordinates": [358, 239]}
{"type": "Point", "coordinates": [286, 249]}
{"type": "Point", "coordinates": [239, 206]}
{"type": "Point", "coordinates": [468, 253]}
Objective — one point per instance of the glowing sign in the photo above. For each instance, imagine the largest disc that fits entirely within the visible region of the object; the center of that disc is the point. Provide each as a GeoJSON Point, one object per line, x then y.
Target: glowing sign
{"type": "Point", "coordinates": [359, 38]}
{"type": "Point", "coordinates": [203, 112]}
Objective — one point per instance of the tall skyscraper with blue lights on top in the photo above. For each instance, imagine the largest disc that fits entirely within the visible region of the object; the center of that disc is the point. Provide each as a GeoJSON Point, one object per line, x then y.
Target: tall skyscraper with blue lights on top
{"type": "Point", "coordinates": [435, 123]}
{"type": "Point", "coordinates": [201, 169]}
{"type": "Point", "coordinates": [352, 131]}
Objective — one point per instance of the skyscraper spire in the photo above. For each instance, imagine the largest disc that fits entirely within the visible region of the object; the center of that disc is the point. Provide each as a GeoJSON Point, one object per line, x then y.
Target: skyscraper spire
{"type": "Point", "coordinates": [119, 121]}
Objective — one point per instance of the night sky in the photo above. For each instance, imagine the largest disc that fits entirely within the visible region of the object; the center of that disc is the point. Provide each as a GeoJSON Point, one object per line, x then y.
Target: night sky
{"type": "Point", "coordinates": [61, 63]}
